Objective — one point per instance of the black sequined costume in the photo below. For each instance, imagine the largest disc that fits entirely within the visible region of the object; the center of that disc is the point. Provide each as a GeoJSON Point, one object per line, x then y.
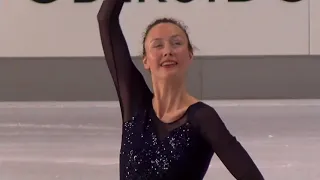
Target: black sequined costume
{"type": "Point", "coordinates": [151, 149]}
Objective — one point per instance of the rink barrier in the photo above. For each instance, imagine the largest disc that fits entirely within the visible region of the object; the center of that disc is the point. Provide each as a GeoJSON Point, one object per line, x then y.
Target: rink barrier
{"type": "Point", "coordinates": [115, 104]}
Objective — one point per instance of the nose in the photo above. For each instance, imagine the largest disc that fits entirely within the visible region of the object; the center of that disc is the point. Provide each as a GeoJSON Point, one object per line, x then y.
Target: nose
{"type": "Point", "coordinates": [167, 51]}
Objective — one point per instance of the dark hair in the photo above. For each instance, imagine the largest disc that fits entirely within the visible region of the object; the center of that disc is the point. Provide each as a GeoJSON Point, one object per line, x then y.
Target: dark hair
{"type": "Point", "coordinates": [166, 20]}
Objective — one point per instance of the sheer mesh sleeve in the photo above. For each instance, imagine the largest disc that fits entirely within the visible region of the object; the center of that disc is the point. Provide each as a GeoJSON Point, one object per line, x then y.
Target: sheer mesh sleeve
{"type": "Point", "coordinates": [130, 85]}
{"type": "Point", "coordinates": [231, 153]}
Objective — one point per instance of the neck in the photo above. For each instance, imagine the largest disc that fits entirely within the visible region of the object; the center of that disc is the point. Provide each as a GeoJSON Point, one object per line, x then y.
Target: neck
{"type": "Point", "coordinates": [169, 96]}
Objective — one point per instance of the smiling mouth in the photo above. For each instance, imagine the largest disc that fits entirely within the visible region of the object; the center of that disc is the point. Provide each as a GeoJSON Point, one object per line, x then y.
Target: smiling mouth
{"type": "Point", "coordinates": [168, 64]}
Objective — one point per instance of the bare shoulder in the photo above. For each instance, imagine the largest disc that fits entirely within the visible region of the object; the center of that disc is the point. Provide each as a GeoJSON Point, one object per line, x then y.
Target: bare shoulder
{"type": "Point", "coordinates": [191, 101]}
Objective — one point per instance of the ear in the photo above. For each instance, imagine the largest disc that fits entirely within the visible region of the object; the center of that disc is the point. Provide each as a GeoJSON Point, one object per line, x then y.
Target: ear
{"type": "Point", "coordinates": [191, 56]}
{"type": "Point", "coordinates": [145, 63]}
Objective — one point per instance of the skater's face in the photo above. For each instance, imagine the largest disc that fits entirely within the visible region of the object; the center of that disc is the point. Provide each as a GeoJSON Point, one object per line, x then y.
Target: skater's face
{"type": "Point", "coordinates": [167, 51]}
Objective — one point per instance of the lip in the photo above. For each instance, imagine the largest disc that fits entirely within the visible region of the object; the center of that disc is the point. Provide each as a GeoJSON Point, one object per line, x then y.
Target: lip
{"type": "Point", "coordinates": [168, 61]}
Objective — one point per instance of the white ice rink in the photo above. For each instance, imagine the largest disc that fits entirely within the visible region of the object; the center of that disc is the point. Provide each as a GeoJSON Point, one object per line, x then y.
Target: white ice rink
{"type": "Point", "coordinates": [81, 140]}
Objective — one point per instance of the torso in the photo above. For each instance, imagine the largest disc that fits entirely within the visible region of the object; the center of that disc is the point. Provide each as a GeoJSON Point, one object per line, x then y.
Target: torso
{"type": "Point", "coordinates": [152, 149]}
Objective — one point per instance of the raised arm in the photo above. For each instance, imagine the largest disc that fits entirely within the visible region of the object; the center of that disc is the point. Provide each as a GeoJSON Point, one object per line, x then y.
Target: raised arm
{"type": "Point", "coordinates": [226, 146]}
{"type": "Point", "coordinates": [130, 85]}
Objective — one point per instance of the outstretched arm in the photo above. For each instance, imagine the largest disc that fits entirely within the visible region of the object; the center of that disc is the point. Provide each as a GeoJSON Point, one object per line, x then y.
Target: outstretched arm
{"type": "Point", "coordinates": [130, 85]}
{"type": "Point", "coordinates": [227, 147]}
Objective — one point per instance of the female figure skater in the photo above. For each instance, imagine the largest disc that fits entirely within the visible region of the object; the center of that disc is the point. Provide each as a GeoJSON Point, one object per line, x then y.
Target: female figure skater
{"type": "Point", "coordinates": [167, 134]}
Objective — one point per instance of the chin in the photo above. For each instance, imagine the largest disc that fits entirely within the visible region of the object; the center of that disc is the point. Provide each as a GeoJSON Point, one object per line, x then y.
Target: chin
{"type": "Point", "coordinates": [172, 75]}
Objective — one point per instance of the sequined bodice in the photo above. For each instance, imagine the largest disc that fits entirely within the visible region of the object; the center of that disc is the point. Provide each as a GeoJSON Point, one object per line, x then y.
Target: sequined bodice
{"type": "Point", "coordinates": [146, 156]}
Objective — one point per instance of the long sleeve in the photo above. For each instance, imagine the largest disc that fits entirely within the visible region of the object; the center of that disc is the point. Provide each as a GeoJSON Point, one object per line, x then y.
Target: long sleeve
{"type": "Point", "coordinates": [130, 85]}
{"type": "Point", "coordinates": [231, 153]}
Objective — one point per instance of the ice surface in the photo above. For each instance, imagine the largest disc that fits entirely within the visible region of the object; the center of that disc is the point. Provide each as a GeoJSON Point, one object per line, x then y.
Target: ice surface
{"type": "Point", "coordinates": [81, 140]}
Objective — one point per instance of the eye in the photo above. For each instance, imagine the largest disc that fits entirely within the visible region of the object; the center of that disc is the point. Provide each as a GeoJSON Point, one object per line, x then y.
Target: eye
{"type": "Point", "coordinates": [177, 42]}
{"type": "Point", "coordinates": [157, 45]}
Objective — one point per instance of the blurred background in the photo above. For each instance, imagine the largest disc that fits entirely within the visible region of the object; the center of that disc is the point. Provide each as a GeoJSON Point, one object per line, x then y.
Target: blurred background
{"type": "Point", "coordinates": [257, 62]}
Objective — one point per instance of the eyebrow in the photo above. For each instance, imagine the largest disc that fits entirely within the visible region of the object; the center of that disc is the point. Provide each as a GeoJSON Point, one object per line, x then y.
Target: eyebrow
{"type": "Point", "coordinates": [173, 36]}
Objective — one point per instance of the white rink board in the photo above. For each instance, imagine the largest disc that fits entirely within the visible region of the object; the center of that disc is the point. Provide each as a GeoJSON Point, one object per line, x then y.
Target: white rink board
{"type": "Point", "coordinates": [315, 27]}
{"type": "Point", "coordinates": [65, 28]}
